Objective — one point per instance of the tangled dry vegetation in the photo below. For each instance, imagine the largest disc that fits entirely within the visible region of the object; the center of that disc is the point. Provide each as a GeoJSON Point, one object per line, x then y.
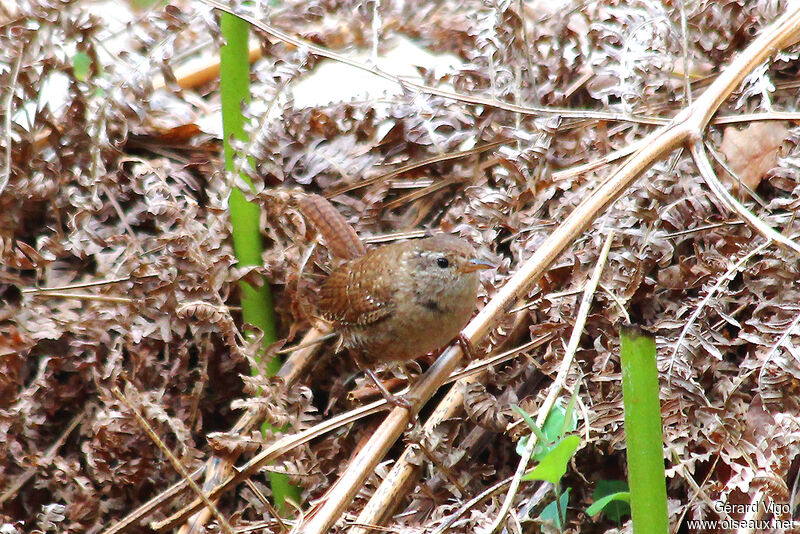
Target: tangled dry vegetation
{"type": "Point", "coordinates": [118, 272]}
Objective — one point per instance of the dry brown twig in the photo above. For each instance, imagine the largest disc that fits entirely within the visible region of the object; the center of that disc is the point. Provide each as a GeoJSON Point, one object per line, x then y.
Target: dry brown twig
{"type": "Point", "coordinates": [217, 470]}
{"type": "Point", "coordinates": [727, 276]}
{"type": "Point", "coordinates": [721, 192]}
{"type": "Point", "coordinates": [199, 72]}
{"type": "Point", "coordinates": [460, 97]}
{"type": "Point", "coordinates": [415, 165]}
{"type": "Point", "coordinates": [469, 99]}
{"type": "Point", "coordinates": [270, 453]}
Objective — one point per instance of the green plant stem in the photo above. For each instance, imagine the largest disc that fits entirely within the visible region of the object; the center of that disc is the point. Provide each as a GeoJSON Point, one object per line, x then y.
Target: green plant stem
{"type": "Point", "coordinates": [645, 444]}
{"type": "Point", "coordinates": [257, 308]}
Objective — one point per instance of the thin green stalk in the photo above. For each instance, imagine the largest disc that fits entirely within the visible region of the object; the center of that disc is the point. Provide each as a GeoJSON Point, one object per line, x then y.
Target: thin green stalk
{"type": "Point", "coordinates": [645, 443]}
{"type": "Point", "coordinates": [257, 306]}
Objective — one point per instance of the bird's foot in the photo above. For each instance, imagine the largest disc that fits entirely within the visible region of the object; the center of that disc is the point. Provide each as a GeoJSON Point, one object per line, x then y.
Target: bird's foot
{"type": "Point", "coordinates": [398, 401]}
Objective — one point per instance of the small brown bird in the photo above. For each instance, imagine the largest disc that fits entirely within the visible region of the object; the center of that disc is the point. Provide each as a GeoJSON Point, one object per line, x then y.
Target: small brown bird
{"type": "Point", "coordinates": [398, 301]}
{"type": "Point", "coordinates": [402, 300]}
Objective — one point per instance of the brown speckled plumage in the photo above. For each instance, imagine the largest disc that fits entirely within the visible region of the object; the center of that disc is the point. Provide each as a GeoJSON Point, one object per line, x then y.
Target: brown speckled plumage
{"type": "Point", "coordinates": [398, 301]}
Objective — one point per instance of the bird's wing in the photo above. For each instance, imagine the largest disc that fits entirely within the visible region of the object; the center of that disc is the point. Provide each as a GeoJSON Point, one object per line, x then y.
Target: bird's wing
{"type": "Point", "coordinates": [352, 297]}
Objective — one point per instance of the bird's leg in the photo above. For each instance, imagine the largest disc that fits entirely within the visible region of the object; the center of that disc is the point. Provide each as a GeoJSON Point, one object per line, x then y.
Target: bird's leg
{"type": "Point", "coordinates": [394, 400]}
{"type": "Point", "coordinates": [466, 346]}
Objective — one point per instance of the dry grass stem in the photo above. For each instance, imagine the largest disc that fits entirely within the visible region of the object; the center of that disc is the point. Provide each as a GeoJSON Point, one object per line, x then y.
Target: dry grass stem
{"type": "Point", "coordinates": [729, 274]}
{"type": "Point", "coordinates": [469, 99]}
{"type": "Point", "coordinates": [560, 382]}
{"type": "Point", "coordinates": [270, 453]}
{"type": "Point", "coordinates": [219, 468]}
{"type": "Point", "coordinates": [704, 166]}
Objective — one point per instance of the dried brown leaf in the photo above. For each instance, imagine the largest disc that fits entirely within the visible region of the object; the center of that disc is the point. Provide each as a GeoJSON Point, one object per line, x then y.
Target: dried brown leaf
{"type": "Point", "coordinates": [752, 151]}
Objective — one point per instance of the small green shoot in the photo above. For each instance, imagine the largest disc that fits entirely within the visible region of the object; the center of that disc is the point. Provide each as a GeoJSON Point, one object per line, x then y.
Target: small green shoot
{"type": "Point", "coordinates": [560, 420]}
{"type": "Point", "coordinates": [645, 442]}
{"type": "Point", "coordinates": [553, 451]}
{"type": "Point", "coordinates": [556, 511]}
{"type": "Point", "coordinates": [256, 302]}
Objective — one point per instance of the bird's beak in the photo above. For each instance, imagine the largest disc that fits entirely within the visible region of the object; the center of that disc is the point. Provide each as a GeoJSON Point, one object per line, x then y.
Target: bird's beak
{"type": "Point", "coordinates": [476, 265]}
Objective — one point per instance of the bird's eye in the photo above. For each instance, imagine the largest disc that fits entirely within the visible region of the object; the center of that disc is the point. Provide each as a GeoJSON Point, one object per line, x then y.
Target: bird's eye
{"type": "Point", "coordinates": [443, 263]}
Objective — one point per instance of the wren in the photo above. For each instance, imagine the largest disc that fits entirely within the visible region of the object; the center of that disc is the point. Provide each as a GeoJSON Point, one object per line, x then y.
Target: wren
{"type": "Point", "coordinates": [402, 300]}
{"type": "Point", "coordinates": [398, 301]}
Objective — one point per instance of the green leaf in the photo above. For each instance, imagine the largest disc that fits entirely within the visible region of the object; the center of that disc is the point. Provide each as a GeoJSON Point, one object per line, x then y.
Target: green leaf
{"type": "Point", "coordinates": [559, 421]}
{"type": "Point", "coordinates": [81, 64]}
{"type": "Point", "coordinates": [554, 465]}
{"type": "Point", "coordinates": [612, 505]}
{"type": "Point", "coordinates": [551, 510]}
{"type": "Point", "coordinates": [555, 422]}
{"type": "Point", "coordinates": [613, 498]}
